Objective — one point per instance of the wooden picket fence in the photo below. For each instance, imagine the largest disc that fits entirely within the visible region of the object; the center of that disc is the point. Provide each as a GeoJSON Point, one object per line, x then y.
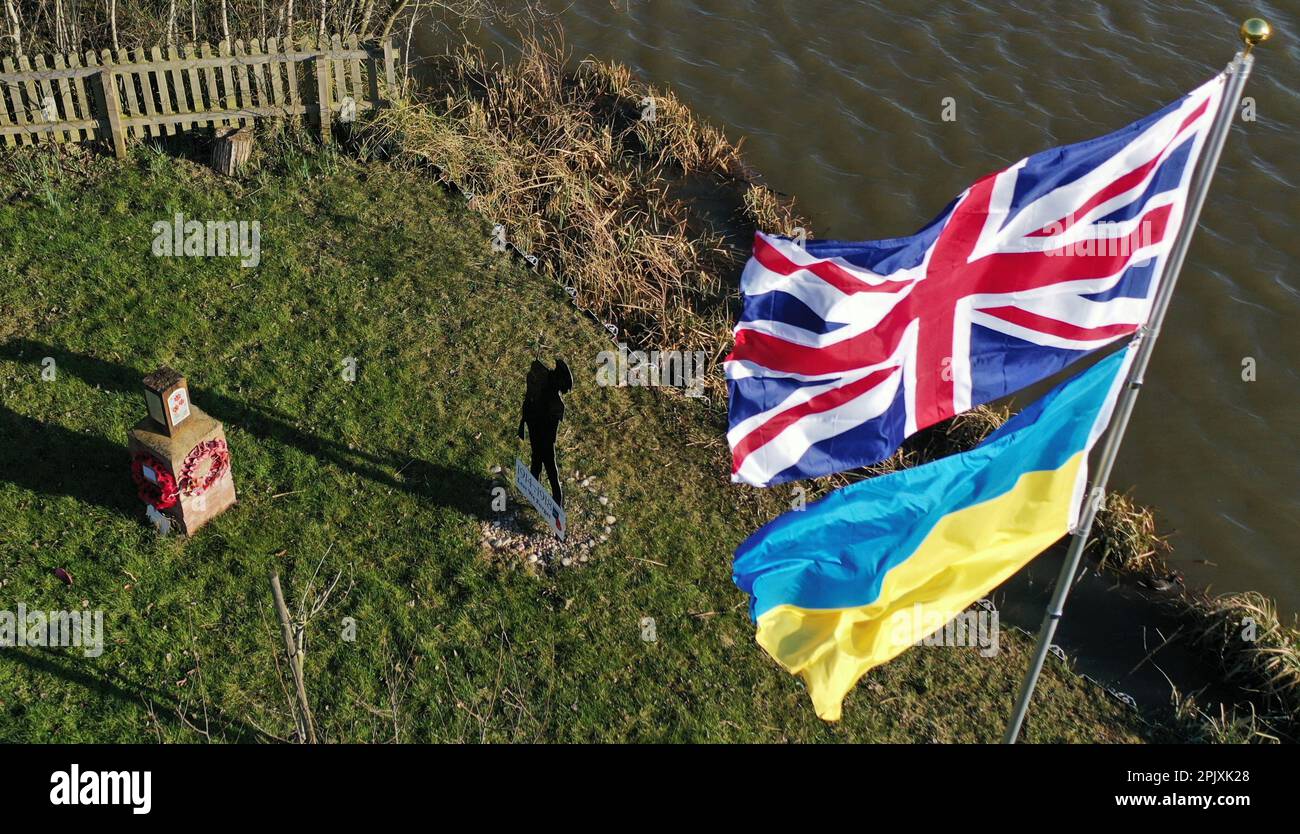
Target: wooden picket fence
{"type": "Point", "coordinates": [165, 90]}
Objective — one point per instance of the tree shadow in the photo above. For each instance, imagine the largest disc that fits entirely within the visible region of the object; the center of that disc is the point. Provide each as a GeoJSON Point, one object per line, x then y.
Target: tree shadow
{"type": "Point", "coordinates": [94, 470]}
{"type": "Point", "coordinates": [112, 684]}
{"type": "Point", "coordinates": [53, 461]}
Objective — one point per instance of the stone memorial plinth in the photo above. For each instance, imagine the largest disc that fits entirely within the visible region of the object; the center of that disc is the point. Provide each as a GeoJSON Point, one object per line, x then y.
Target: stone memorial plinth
{"type": "Point", "coordinates": [180, 463]}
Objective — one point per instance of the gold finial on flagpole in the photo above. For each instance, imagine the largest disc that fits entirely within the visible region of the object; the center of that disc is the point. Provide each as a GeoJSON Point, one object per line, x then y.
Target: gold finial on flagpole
{"type": "Point", "coordinates": [1253, 31]}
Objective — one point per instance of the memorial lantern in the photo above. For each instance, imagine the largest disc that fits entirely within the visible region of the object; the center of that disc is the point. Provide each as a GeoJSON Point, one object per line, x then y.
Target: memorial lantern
{"type": "Point", "coordinates": [168, 399]}
{"type": "Point", "coordinates": [180, 461]}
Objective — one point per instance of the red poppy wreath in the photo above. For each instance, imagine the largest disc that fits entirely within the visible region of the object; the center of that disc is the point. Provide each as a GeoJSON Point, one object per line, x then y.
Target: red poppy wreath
{"type": "Point", "coordinates": [204, 466]}
{"type": "Point", "coordinates": [161, 494]}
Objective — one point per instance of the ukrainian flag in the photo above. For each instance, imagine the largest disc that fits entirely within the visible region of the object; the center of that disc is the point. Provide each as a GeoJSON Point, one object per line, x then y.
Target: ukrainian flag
{"type": "Point", "coordinates": [835, 588]}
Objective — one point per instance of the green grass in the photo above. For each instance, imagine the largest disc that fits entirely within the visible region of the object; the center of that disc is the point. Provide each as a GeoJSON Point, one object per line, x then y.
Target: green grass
{"type": "Point", "coordinates": [383, 482]}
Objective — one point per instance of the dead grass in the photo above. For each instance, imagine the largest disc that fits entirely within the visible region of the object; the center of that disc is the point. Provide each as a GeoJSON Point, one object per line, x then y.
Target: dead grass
{"type": "Point", "coordinates": [601, 178]}
{"type": "Point", "coordinates": [1256, 651]}
{"type": "Point", "coordinates": [1126, 539]}
{"type": "Point", "coordinates": [1238, 725]}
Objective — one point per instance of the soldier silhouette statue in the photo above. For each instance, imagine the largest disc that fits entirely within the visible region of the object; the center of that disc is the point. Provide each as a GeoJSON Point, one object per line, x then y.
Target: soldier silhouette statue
{"type": "Point", "coordinates": [543, 411]}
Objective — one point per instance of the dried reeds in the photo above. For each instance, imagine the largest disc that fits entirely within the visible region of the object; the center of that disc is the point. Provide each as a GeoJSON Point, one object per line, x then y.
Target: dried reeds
{"type": "Point", "coordinates": [1253, 648]}
{"type": "Point", "coordinates": [1126, 539]}
{"type": "Point", "coordinates": [596, 175]}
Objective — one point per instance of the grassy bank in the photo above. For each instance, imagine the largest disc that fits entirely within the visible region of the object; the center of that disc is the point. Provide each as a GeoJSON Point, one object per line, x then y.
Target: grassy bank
{"type": "Point", "coordinates": [380, 489]}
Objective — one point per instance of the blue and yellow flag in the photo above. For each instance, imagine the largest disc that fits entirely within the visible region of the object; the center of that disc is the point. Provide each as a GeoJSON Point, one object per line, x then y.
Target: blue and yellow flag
{"type": "Point", "coordinates": [835, 588]}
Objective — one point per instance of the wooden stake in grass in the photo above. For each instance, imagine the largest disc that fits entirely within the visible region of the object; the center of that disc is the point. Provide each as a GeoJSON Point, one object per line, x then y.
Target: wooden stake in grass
{"type": "Point", "coordinates": [295, 661]}
{"type": "Point", "coordinates": [231, 150]}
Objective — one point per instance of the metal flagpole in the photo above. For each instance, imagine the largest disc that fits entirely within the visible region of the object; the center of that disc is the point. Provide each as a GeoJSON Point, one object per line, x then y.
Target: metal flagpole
{"type": "Point", "coordinates": [1253, 31]}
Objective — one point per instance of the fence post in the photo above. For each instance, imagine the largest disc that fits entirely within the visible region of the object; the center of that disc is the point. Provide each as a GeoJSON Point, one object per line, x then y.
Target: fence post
{"type": "Point", "coordinates": [390, 74]}
{"type": "Point", "coordinates": [323, 95]}
{"type": "Point", "coordinates": [113, 110]}
{"type": "Point", "coordinates": [372, 72]}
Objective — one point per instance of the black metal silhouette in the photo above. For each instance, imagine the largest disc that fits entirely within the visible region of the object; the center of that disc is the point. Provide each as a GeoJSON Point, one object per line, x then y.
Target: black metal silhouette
{"type": "Point", "coordinates": [543, 410]}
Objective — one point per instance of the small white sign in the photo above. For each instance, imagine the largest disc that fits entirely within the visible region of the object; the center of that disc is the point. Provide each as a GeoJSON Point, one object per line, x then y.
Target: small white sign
{"type": "Point", "coordinates": [537, 495]}
{"type": "Point", "coordinates": [149, 475]}
{"type": "Point", "coordinates": [179, 404]}
{"type": "Point", "coordinates": [161, 523]}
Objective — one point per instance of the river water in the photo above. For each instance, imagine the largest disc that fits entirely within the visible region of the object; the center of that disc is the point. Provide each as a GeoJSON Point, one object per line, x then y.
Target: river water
{"type": "Point", "coordinates": [840, 104]}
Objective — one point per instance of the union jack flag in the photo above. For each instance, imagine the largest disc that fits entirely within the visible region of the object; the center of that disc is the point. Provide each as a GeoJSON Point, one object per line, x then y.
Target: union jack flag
{"type": "Point", "coordinates": [845, 349]}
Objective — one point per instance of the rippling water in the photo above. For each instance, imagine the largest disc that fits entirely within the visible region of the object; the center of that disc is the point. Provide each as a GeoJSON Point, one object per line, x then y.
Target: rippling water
{"type": "Point", "coordinates": [839, 103]}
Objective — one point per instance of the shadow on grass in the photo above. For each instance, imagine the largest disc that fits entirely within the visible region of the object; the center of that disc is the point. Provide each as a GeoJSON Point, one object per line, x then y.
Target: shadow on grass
{"type": "Point", "coordinates": [52, 460]}
{"type": "Point", "coordinates": [166, 708]}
